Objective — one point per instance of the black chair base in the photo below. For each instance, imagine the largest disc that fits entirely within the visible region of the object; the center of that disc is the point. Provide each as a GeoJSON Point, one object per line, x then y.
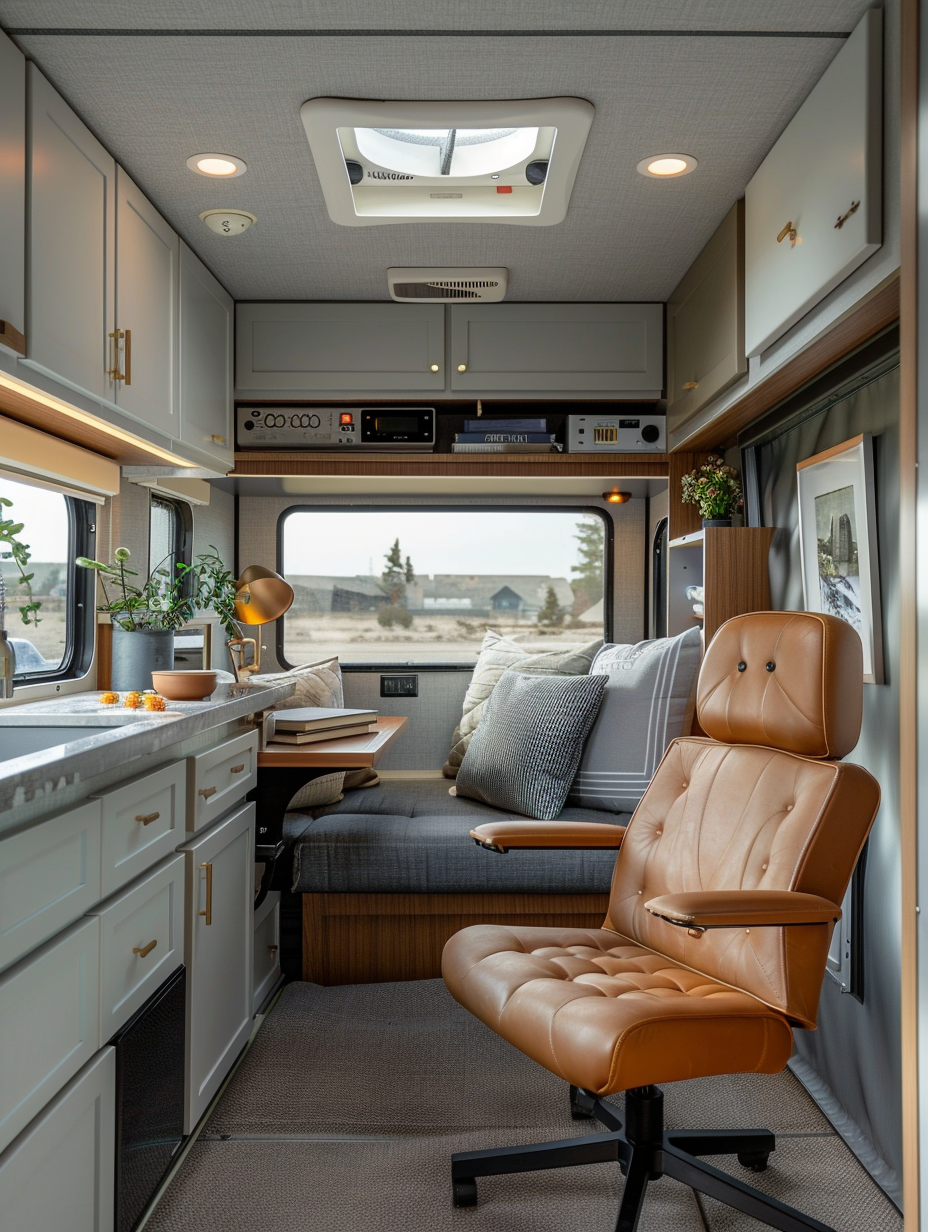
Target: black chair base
{"type": "Point", "coordinates": [644, 1151]}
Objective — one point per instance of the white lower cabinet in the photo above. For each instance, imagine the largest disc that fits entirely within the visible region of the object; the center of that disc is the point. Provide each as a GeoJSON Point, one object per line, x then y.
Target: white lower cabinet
{"type": "Point", "coordinates": [267, 949]}
{"type": "Point", "coordinates": [58, 1174]}
{"type": "Point", "coordinates": [219, 953]}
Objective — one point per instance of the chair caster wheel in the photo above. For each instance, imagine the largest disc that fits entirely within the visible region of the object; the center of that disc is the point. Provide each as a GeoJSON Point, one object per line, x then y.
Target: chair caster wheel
{"type": "Point", "coordinates": [464, 1191]}
{"type": "Point", "coordinates": [754, 1161]}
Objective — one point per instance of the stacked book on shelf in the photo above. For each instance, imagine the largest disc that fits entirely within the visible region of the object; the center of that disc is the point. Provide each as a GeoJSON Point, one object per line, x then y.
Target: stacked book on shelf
{"type": "Point", "coordinates": [505, 436]}
{"type": "Point", "coordinates": [309, 724]}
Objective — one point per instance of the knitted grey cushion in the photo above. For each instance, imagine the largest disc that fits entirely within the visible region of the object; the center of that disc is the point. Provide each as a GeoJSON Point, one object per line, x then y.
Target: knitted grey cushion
{"type": "Point", "coordinates": [526, 750]}
{"type": "Point", "coordinates": [649, 699]}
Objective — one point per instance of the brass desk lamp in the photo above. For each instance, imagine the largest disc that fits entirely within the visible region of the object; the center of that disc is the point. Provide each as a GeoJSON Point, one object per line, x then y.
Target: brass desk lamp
{"type": "Point", "coordinates": [260, 597]}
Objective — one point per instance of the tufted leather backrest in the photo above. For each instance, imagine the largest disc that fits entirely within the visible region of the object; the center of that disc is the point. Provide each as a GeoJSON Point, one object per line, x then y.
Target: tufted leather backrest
{"type": "Point", "coordinates": [769, 813]}
{"type": "Point", "coordinates": [790, 680]}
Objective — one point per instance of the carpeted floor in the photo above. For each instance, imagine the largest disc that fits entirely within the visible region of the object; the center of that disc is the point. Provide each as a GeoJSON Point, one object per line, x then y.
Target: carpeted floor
{"type": "Point", "coordinates": [346, 1109]}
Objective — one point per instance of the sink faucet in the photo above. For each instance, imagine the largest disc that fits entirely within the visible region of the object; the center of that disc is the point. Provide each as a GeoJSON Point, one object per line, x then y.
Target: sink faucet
{"type": "Point", "coordinates": [7, 654]}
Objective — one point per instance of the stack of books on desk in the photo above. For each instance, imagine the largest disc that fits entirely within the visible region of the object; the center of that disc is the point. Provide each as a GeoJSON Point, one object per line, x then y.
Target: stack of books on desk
{"type": "Point", "coordinates": [308, 724]}
{"type": "Point", "coordinates": [505, 436]}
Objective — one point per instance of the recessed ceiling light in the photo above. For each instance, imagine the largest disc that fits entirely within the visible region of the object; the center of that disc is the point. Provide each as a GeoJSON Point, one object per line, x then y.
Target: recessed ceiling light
{"type": "Point", "coordinates": [221, 166]}
{"type": "Point", "coordinates": [667, 166]}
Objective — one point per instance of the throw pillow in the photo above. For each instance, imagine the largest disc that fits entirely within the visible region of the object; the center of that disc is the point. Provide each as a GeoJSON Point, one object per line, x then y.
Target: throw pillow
{"type": "Point", "coordinates": [317, 684]}
{"type": "Point", "coordinates": [497, 654]}
{"type": "Point", "coordinates": [525, 752]}
{"type": "Point", "coordinates": [649, 701]}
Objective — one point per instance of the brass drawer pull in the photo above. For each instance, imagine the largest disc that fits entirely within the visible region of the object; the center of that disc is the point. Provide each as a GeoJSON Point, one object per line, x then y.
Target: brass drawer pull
{"type": "Point", "coordinates": [206, 792]}
{"type": "Point", "coordinates": [128, 356]}
{"type": "Point", "coordinates": [147, 818]}
{"type": "Point", "coordinates": [272, 950]}
{"type": "Point", "coordinates": [237, 769]}
{"type": "Point", "coordinates": [788, 230]}
{"type": "Point", "coordinates": [144, 950]}
{"type": "Point", "coordinates": [217, 440]}
{"type": "Point", "coordinates": [209, 894]}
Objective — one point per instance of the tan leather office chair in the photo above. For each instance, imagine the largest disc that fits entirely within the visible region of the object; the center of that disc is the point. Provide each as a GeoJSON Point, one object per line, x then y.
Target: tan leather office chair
{"type": "Point", "coordinates": [722, 907]}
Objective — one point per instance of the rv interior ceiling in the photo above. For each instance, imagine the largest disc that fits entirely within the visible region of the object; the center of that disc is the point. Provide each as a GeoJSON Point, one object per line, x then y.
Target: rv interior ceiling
{"type": "Point", "coordinates": [442, 742]}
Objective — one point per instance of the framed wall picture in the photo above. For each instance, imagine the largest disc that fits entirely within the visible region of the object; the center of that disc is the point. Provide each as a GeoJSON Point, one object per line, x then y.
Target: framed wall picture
{"type": "Point", "coordinates": [837, 537]}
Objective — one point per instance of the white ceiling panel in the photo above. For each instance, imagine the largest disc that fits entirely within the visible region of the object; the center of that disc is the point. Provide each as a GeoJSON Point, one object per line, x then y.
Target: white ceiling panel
{"type": "Point", "coordinates": [155, 100]}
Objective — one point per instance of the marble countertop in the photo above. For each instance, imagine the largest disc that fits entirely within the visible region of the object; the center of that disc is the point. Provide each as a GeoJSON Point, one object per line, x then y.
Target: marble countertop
{"type": "Point", "coordinates": [130, 734]}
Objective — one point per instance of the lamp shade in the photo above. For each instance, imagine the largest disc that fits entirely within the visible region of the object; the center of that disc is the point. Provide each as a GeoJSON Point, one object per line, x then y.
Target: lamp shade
{"type": "Point", "coordinates": [261, 595]}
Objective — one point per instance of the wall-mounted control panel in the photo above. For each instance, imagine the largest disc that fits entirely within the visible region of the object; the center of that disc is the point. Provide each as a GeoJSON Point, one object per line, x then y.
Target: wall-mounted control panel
{"type": "Point", "coordinates": [333, 427]}
{"type": "Point", "coordinates": [399, 686]}
{"type": "Point", "coordinates": [614, 432]}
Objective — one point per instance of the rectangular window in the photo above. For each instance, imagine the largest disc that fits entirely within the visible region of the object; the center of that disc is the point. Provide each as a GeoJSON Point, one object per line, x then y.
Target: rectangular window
{"type": "Point", "coordinates": [422, 586]}
{"type": "Point", "coordinates": [54, 641]}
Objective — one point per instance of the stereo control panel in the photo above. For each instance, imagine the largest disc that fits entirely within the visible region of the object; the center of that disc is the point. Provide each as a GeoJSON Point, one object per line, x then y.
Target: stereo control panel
{"type": "Point", "coordinates": [616, 433]}
{"type": "Point", "coordinates": [334, 427]}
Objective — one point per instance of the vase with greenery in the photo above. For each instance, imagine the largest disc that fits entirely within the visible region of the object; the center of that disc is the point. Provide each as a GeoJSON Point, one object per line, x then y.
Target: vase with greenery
{"type": "Point", "coordinates": [715, 489]}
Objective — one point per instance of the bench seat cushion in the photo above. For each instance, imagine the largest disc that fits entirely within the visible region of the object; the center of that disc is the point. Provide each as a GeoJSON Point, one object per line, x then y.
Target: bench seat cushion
{"type": "Point", "coordinates": [409, 836]}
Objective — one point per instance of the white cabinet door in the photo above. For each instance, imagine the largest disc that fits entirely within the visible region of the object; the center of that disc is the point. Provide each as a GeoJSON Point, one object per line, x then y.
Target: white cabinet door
{"type": "Point", "coordinates": [206, 313]}
{"type": "Point", "coordinates": [219, 939]}
{"type": "Point", "coordinates": [267, 949]}
{"type": "Point", "coordinates": [318, 348]}
{"type": "Point", "coordinates": [59, 1173]}
{"type": "Point", "coordinates": [582, 348]}
{"type": "Point", "coordinates": [70, 244]}
{"type": "Point", "coordinates": [146, 309]}
{"type": "Point", "coordinates": [12, 194]}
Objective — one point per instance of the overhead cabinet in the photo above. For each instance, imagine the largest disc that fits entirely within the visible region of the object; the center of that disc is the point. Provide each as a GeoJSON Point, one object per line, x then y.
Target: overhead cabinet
{"type": "Point", "coordinates": [12, 196]}
{"type": "Point", "coordinates": [340, 347]}
{"type": "Point", "coordinates": [813, 211]}
{"type": "Point", "coordinates": [206, 313]}
{"type": "Point", "coordinates": [582, 348]}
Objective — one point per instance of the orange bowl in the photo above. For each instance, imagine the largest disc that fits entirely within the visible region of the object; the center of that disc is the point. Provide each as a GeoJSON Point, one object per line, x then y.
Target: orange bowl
{"type": "Point", "coordinates": [181, 686]}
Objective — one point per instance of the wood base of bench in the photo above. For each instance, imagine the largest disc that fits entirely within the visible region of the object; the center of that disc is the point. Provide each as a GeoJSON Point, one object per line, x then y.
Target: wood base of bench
{"type": "Point", "coordinates": [369, 938]}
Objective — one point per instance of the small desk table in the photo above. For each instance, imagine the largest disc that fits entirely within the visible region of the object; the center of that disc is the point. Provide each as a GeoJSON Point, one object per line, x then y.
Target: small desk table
{"type": "Point", "coordinates": [284, 768]}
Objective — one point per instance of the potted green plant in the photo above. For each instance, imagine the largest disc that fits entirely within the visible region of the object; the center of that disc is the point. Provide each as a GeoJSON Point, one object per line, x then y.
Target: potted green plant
{"type": "Point", "coordinates": [715, 489]}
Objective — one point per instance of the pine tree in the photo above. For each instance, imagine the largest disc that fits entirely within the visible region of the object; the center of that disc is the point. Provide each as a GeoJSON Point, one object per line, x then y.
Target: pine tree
{"type": "Point", "coordinates": [588, 571]}
{"type": "Point", "coordinates": [410, 572]}
{"type": "Point", "coordinates": [551, 613]}
{"type": "Point", "coordinates": [393, 578]}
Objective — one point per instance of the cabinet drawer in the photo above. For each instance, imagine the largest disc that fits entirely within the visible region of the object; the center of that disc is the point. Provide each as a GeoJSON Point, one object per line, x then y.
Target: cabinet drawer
{"type": "Point", "coordinates": [219, 777]}
{"type": "Point", "coordinates": [49, 1023]}
{"type": "Point", "coordinates": [143, 821]}
{"type": "Point", "coordinates": [267, 949]}
{"type": "Point", "coordinates": [141, 942]}
{"type": "Point", "coordinates": [49, 876]}
{"type": "Point", "coordinates": [59, 1172]}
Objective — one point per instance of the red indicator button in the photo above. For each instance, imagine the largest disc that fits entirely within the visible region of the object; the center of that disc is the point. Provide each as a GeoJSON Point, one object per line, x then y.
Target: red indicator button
{"type": "Point", "coordinates": [346, 419]}
{"type": "Point", "coordinates": [504, 188]}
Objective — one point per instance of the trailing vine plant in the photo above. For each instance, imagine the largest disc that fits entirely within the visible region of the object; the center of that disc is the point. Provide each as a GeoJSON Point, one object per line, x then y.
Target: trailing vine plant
{"type": "Point", "coordinates": [20, 553]}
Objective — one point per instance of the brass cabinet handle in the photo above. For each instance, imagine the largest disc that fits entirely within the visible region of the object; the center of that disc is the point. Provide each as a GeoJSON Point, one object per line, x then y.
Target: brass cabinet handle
{"type": "Point", "coordinates": [272, 950]}
{"type": "Point", "coordinates": [217, 439]}
{"type": "Point", "coordinates": [147, 818]}
{"type": "Point", "coordinates": [462, 367]}
{"type": "Point", "coordinates": [113, 372]}
{"type": "Point", "coordinates": [144, 950]}
{"type": "Point", "coordinates": [788, 230]}
{"type": "Point", "coordinates": [433, 367]}
{"type": "Point", "coordinates": [855, 206]}
{"type": "Point", "coordinates": [206, 792]}
{"type": "Point", "coordinates": [209, 894]}
{"type": "Point", "coordinates": [128, 357]}
{"type": "Point", "coordinates": [237, 769]}
{"type": "Point", "coordinates": [691, 385]}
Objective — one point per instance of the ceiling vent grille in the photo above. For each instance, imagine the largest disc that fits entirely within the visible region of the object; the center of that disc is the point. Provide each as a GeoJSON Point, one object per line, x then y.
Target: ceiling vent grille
{"type": "Point", "coordinates": [447, 285]}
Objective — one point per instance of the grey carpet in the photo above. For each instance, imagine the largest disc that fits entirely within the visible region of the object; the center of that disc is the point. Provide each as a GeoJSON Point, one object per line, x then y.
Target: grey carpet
{"type": "Point", "coordinates": [406, 1058]}
{"type": "Point", "coordinates": [405, 1077]}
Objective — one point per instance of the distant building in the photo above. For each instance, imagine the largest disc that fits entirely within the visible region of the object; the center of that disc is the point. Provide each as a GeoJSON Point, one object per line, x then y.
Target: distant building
{"type": "Point", "coordinates": [445, 593]}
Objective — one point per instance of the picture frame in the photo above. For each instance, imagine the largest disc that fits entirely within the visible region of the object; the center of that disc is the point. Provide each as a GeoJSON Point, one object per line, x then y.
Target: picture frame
{"type": "Point", "coordinates": [838, 542]}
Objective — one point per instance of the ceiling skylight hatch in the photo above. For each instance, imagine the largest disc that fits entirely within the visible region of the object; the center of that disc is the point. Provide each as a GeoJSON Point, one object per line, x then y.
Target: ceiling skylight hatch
{"type": "Point", "coordinates": [512, 161]}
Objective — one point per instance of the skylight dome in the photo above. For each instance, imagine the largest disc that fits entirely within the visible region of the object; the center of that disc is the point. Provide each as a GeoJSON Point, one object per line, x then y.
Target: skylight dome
{"type": "Point", "coordinates": [511, 161]}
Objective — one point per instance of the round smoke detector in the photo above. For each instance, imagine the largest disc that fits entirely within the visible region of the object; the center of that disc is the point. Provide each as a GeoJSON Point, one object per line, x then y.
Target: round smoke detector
{"type": "Point", "coordinates": [228, 222]}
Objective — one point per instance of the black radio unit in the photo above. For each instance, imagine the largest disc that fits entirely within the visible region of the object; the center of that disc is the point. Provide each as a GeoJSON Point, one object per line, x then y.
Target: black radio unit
{"type": "Point", "coordinates": [335, 427]}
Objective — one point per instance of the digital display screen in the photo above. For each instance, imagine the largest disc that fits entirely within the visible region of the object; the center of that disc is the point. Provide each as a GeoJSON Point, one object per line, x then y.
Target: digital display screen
{"type": "Point", "coordinates": [390, 425]}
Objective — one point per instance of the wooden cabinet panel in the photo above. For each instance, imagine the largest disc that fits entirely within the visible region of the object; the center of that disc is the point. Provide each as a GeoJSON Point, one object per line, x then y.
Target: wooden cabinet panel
{"type": "Point", "coordinates": [49, 876]}
{"type": "Point", "coordinates": [730, 563]}
{"type": "Point", "coordinates": [219, 953]}
{"type": "Point", "coordinates": [206, 312]}
{"type": "Point", "coordinates": [608, 348]}
{"type": "Point", "coordinates": [12, 193]}
{"type": "Point", "coordinates": [70, 243]}
{"type": "Point", "coordinates": [827, 159]}
{"type": "Point", "coordinates": [317, 348]}
{"type": "Point", "coordinates": [705, 323]}
{"type": "Point", "coordinates": [143, 821]}
{"type": "Point", "coordinates": [49, 1023]}
{"type": "Point", "coordinates": [59, 1173]}
{"type": "Point", "coordinates": [146, 308]}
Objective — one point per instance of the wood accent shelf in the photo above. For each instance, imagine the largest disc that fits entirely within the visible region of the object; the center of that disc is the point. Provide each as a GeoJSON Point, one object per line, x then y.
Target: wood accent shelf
{"type": "Point", "coordinates": [271, 462]}
{"type": "Point", "coordinates": [731, 564]}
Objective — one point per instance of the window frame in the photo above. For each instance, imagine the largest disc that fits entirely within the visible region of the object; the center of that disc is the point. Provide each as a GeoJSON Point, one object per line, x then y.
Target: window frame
{"type": "Point", "coordinates": [182, 519]}
{"type": "Point", "coordinates": [421, 507]}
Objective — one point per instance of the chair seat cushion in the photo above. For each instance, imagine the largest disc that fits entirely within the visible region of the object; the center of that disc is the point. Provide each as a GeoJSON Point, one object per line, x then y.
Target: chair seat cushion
{"type": "Point", "coordinates": [411, 836]}
{"type": "Point", "coordinates": [606, 1014]}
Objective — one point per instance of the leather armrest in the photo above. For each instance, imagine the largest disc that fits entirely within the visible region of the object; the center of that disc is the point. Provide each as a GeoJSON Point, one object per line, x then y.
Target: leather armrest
{"type": "Point", "coordinates": [742, 909]}
{"type": "Point", "coordinates": [500, 836]}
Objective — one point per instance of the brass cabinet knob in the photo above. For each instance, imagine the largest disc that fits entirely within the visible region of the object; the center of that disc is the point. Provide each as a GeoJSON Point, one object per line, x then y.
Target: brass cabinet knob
{"type": "Point", "coordinates": [462, 367]}
{"type": "Point", "coordinates": [433, 367]}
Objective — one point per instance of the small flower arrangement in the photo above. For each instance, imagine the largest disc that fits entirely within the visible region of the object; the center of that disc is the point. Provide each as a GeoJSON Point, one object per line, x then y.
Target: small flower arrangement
{"type": "Point", "coordinates": [714, 487]}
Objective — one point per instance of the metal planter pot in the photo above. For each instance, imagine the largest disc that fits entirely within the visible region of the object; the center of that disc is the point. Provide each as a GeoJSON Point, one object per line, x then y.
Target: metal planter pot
{"type": "Point", "coordinates": [139, 652]}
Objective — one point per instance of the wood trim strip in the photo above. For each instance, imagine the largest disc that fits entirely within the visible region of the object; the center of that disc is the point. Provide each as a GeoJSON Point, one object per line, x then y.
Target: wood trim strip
{"type": "Point", "coordinates": [10, 336]}
{"type": "Point", "coordinates": [830, 453]}
{"type": "Point", "coordinates": [629, 465]}
{"type": "Point", "coordinates": [908, 604]}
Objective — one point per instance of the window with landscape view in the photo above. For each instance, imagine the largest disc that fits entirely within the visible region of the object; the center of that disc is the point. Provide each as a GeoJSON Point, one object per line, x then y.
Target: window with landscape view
{"type": "Point", "coordinates": [423, 585]}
